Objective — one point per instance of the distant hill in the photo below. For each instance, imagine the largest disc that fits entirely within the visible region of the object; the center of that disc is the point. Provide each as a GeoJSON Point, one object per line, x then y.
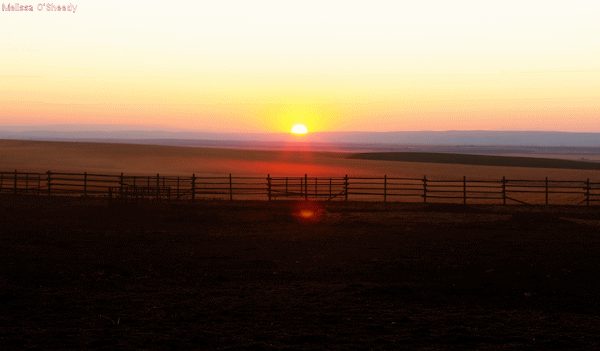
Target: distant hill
{"type": "Point", "coordinates": [479, 160]}
{"type": "Point", "coordinates": [478, 137]}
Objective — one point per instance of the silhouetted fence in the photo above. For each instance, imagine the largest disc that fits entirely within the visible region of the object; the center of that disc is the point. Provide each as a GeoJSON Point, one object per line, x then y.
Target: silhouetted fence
{"type": "Point", "coordinates": [160, 188]}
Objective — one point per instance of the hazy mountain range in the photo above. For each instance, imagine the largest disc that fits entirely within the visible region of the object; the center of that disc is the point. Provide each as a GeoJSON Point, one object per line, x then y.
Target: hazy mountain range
{"type": "Point", "coordinates": [479, 137]}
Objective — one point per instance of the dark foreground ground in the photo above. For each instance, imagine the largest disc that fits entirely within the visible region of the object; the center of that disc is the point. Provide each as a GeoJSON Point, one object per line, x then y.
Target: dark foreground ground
{"type": "Point", "coordinates": [78, 274]}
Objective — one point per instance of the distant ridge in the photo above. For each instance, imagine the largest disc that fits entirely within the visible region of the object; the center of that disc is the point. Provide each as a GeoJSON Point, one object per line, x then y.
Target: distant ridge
{"type": "Point", "coordinates": [477, 137]}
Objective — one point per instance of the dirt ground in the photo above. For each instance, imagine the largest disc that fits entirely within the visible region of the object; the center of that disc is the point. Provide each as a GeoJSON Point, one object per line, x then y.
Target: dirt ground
{"type": "Point", "coordinates": [77, 273]}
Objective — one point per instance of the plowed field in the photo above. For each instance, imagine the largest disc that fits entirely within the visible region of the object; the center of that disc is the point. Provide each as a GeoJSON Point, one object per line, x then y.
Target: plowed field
{"type": "Point", "coordinates": [77, 273]}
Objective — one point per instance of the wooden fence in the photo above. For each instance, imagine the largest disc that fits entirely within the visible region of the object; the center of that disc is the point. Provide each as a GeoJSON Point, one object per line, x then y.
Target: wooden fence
{"type": "Point", "coordinates": [167, 188]}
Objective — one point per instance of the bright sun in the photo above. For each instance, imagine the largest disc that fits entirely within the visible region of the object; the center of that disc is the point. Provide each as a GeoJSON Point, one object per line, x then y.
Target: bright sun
{"type": "Point", "coordinates": [299, 129]}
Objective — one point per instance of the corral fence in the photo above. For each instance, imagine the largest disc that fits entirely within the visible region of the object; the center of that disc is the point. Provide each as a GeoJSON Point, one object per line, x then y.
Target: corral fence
{"type": "Point", "coordinates": [127, 188]}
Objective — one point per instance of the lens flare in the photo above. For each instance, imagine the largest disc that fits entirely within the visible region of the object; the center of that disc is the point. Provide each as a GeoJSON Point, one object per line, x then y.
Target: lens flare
{"type": "Point", "coordinates": [307, 212]}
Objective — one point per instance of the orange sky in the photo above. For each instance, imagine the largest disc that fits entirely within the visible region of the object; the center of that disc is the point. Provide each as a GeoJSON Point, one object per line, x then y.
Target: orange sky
{"type": "Point", "coordinates": [236, 67]}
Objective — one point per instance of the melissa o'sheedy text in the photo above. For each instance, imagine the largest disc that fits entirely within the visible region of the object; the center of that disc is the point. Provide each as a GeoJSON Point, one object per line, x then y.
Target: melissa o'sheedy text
{"type": "Point", "coordinates": [40, 7]}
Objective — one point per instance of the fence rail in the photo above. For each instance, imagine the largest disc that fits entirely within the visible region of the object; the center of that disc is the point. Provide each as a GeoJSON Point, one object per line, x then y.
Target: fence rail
{"type": "Point", "coordinates": [166, 188]}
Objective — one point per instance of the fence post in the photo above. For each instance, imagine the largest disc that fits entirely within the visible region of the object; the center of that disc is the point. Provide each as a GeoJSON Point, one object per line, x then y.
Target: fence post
{"type": "Point", "coordinates": [121, 185]}
{"type": "Point", "coordinates": [424, 189]}
{"type": "Point", "coordinates": [301, 187]}
{"type": "Point", "coordinates": [385, 188]}
{"type": "Point", "coordinates": [305, 187]}
{"type": "Point", "coordinates": [26, 182]}
{"type": "Point", "coordinates": [85, 184]}
{"type": "Point", "coordinates": [330, 188]}
{"type": "Point", "coordinates": [346, 186]}
{"type": "Point", "coordinates": [15, 189]}
{"type": "Point", "coordinates": [546, 191]}
{"type": "Point", "coordinates": [286, 186]}
{"type": "Point", "coordinates": [316, 186]}
{"type": "Point", "coordinates": [464, 190]}
{"type": "Point", "coordinates": [49, 183]}
{"type": "Point", "coordinates": [157, 187]}
{"type": "Point", "coordinates": [230, 188]}
{"type": "Point", "coordinates": [503, 190]}
{"type": "Point", "coordinates": [269, 186]}
{"type": "Point", "coordinates": [587, 192]}
{"type": "Point", "coordinates": [193, 187]}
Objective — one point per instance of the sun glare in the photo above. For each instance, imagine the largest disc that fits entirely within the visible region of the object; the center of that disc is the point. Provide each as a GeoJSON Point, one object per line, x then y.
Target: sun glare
{"type": "Point", "coordinates": [299, 129]}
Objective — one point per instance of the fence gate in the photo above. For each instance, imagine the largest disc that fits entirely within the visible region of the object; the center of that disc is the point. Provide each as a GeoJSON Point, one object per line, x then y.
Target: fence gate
{"type": "Point", "coordinates": [307, 187]}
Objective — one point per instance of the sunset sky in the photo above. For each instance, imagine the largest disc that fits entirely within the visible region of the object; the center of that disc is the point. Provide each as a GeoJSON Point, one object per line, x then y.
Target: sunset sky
{"type": "Point", "coordinates": [264, 66]}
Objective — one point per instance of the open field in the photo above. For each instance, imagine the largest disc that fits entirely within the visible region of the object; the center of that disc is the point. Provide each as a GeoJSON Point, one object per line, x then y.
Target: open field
{"type": "Point", "coordinates": [39, 156]}
{"type": "Point", "coordinates": [149, 160]}
{"type": "Point", "coordinates": [574, 157]}
{"type": "Point", "coordinates": [76, 274]}
{"type": "Point", "coordinates": [478, 160]}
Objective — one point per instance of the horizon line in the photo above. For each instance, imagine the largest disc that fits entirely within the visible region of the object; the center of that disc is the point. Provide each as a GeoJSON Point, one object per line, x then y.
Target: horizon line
{"type": "Point", "coordinates": [185, 130]}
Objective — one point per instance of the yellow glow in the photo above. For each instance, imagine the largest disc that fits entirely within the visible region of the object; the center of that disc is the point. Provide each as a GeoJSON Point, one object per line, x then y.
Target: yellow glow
{"type": "Point", "coordinates": [278, 117]}
{"type": "Point", "coordinates": [255, 67]}
{"type": "Point", "coordinates": [299, 129]}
